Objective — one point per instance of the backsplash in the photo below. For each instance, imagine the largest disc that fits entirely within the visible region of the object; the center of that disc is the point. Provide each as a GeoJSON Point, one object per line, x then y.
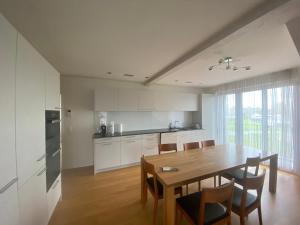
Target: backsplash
{"type": "Point", "coordinates": [145, 120]}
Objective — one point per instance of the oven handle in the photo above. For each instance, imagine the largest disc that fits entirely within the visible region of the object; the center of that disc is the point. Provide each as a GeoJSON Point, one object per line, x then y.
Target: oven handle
{"type": "Point", "coordinates": [55, 121]}
{"type": "Point", "coordinates": [55, 153]}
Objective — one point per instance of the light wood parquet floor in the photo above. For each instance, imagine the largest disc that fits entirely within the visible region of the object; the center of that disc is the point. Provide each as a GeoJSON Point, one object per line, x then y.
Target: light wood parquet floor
{"type": "Point", "coordinates": [113, 198]}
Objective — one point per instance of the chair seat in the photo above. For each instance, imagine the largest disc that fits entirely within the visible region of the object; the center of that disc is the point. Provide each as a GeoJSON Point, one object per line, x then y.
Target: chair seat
{"type": "Point", "coordinates": [191, 205]}
{"type": "Point", "coordinates": [237, 174]}
{"type": "Point", "coordinates": [160, 187]}
{"type": "Point", "coordinates": [237, 196]}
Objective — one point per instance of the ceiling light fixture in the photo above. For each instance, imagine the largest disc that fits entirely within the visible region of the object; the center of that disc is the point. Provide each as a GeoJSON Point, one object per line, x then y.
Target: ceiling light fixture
{"type": "Point", "coordinates": [226, 63]}
{"type": "Point", "coordinates": [128, 75]}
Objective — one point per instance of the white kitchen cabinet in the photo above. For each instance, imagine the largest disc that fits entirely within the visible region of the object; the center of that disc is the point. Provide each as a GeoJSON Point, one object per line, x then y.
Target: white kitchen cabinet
{"type": "Point", "coordinates": [9, 206]}
{"type": "Point", "coordinates": [107, 155]}
{"type": "Point", "coordinates": [150, 144]}
{"type": "Point", "coordinates": [165, 101]}
{"type": "Point", "coordinates": [105, 100]}
{"type": "Point", "coordinates": [33, 200]}
{"type": "Point", "coordinates": [208, 115]}
{"type": "Point", "coordinates": [127, 100]}
{"type": "Point", "coordinates": [131, 151]}
{"type": "Point", "coordinates": [186, 102]}
{"type": "Point", "coordinates": [146, 101]}
{"type": "Point", "coordinates": [53, 196]}
{"type": "Point", "coordinates": [52, 87]}
{"type": "Point", "coordinates": [8, 38]}
{"type": "Point", "coordinates": [168, 138]}
{"type": "Point", "coordinates": [30, 111]}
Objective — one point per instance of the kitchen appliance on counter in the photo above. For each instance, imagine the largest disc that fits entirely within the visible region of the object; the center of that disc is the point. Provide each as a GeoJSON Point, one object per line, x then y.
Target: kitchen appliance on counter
{"type": "Point", "coordinates": [53, 148]}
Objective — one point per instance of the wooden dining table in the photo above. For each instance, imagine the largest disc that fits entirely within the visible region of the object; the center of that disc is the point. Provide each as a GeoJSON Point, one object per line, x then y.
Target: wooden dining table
{"type": "Point", "coordinates": [199, 164]}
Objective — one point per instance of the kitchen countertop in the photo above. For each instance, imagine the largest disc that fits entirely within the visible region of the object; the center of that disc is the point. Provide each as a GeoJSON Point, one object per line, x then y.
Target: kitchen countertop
{"type": "Point", "coordinates": [139, 132]}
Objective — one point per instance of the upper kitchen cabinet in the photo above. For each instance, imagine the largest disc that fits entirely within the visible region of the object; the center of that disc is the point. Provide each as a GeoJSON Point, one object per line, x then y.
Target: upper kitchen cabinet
{"type": "Point", "coordinates": [52, 87]}
{"type": "Point", "coordinates": [127, 100]}
{"type": "Point", "coordinates": [186, 102]}
{"type": "Point", "coordinates": [30, 110]}
{"type": "Point", "coordinates": [146, 101]}
{"type": "Point", "coordinates": [8, 40]}
{"type": "Point", "coordinates": [105, 99]}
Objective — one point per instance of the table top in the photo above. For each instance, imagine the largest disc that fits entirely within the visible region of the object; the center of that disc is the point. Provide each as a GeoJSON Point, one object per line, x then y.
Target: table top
{"type": "Point", "coordinates": [202, 163]}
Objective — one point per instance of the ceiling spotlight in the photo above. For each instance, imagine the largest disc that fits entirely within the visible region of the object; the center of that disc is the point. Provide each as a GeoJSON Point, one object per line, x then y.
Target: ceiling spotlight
{"type": "Point", "coordinates": [227, 63]}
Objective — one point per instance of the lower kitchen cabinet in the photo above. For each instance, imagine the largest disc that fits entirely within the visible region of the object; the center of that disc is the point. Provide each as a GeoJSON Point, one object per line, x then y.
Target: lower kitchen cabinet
{"type": "Point", "coordinates": [9, 209]}
{"type": "Point", "coordinates": [33, 200]}
{"type": "Point", "coordinates": [130, 151]}
{"type": "Point", "coordinates": [107, 155]}
{"type": "Point", "coordinates": [53, 196]}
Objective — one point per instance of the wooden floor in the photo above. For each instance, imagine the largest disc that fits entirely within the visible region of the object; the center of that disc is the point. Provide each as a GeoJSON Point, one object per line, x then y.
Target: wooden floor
{"type": "Point", "coordinates": [114, 198]}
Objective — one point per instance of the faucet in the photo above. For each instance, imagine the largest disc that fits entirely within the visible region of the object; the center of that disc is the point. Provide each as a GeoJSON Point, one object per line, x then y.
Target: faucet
{"type": "Point", "coordinates": [175, 123]}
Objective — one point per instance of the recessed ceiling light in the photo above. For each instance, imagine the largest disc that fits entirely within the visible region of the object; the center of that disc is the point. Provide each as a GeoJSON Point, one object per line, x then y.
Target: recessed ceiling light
{"type": "Point", "coordinates": [128, 75]}
{"type": "Point", "coordinates": [176, 80]}
{"type": "Point", "coordinates": [108, 73]}
{"type": "Point", "coordinates": [146, 77]}
{"type": "Point", "coordinates": [188, 82]}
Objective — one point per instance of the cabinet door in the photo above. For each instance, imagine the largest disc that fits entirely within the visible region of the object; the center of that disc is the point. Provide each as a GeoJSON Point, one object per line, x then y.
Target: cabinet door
{"type": "Point", "coordinates": [107, 155]}
{"type": "Point", "coordinates": [30, 111]}
{"type": "Point", "coordinates": [165, 101]}
{"type": "Point", "coordinates": [8, 38]}
{"type": "Point", "coordinates": [127, 100]}
{"type": "Point", "coordinates": [52, 87]}
{"type": "Point", "coordinates": [33, 200]}
{"type": "Point", "coordinates": [9, 209]}
{"type": "Point", "coordinates": [146, 100]}
{"type": "Point", "coordinates": [150, 144]}
{"type": "Point", "coordinates": [130, 151]}
{"type": "Point", "coordinates": [105, 99]}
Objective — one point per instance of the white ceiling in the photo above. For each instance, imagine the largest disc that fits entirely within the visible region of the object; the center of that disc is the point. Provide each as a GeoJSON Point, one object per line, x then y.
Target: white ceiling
{"type": "Point", "coordinates": [140, 37]}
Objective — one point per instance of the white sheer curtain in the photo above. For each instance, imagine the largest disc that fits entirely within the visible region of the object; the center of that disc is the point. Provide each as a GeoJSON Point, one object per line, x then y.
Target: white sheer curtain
{"type": "Point", "coordinates": [263, 113]}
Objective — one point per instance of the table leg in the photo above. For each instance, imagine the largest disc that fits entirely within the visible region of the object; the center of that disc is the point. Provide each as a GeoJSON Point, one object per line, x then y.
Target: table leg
{"type": "Point", "coordinates": [143, 185]}
{"type": "Point", "coordinates": [273, 174]}
{"type": "Point", "coordinates": [169, 205]}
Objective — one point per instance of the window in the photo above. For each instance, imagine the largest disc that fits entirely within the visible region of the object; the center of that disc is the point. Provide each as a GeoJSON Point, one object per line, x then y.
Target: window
{"type": "Point", "coordinates": [261, 119]}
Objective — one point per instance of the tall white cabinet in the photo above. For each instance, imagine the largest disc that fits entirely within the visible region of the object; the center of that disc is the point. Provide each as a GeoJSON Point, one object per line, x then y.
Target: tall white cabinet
{"type": "Point", "coordinates": [28, 86]}
{"type": "Point", "coordinates": [9, 212]}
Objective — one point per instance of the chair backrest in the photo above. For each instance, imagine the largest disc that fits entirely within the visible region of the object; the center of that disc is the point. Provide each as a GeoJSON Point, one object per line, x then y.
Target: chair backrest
{"type": "Point", "coordinates": [148, 169]}
{"type": "Point", "coordinates": [191, 145]}
{"type": "Point", "coordinates": [222, 195]}
{"type": "Point", "coordinates": [207, 143]}
{"type": "Point", "coordinates": [253, 183]}
{"type": "Point", "coordinates": [252, 162]}
{"type": "Point", "coordinates": [167, 148]}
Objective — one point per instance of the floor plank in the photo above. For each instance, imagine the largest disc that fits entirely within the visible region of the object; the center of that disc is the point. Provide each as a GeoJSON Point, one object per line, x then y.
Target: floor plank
{"type": "Point", "coordinates": [114, 198]}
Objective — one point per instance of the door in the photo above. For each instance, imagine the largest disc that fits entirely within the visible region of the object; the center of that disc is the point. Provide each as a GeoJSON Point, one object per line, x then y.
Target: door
{"type": "Point", "coordinates": [30, 111]}
{"type": "Point", "coordinates": [8, 38]}
{"type": "Point", "coordinates": [33, 200]}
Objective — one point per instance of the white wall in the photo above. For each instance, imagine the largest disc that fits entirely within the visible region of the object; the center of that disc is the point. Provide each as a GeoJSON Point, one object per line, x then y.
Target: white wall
{"type": "Point", "coordinates": [78, 126]}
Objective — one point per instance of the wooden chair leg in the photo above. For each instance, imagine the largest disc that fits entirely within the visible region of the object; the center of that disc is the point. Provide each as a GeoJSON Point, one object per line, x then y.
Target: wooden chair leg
{"type": "Point", "coordinates": [187, 189]}
{"type": "Point", "coordinates": [199, 185]}
{"type": "Point", "coordinates": [155, 211]}
{"type": "Point", "coordinates": [220, 180]}
{"type": "Point", "coordinates": [229, 221]}
{"type": "Point", "coordinates": [176, 216]}
{"type": "Point", "coordinates": [215, 181]}
{"type": "Point", "coordinates": [259, 215]}
{"type": "Point", "coordinates": [242, 220]}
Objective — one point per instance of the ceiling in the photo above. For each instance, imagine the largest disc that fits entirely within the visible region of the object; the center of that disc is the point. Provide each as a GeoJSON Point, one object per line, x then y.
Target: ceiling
{"type": "Point", "coordinates": [110, 38]}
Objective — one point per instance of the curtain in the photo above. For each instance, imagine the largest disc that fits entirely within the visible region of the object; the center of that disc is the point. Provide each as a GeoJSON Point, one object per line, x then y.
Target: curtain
{"type": "Point", "coordinates": [263, 113]}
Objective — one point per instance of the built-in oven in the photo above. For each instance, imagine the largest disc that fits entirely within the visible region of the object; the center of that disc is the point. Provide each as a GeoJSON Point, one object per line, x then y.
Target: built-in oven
{"type": "Point", "coordinates": [52, 146]}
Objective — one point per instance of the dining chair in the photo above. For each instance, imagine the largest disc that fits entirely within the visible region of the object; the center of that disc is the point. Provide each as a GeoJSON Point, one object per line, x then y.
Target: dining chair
{"type": "Point", "coordinates": [154, 186]}
{"type": "Point", "coordinates": [191, 146]}
{"type": "Point", "coordinates": [209, 143]}
{"type": "Point", "coordinates": [240, 174]}
{"type": "Point", "coordinates": [211, 206]}
{"type": "Point", "coordinates": [163, 148]}
{"type": "Point", "coordinates": [243, 202]}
